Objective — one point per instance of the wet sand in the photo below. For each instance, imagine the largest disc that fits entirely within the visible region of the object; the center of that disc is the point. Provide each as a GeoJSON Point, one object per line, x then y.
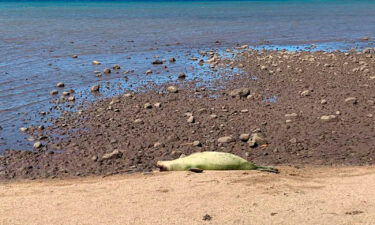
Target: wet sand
{"type": "Point", "coordinates": [313, 195]}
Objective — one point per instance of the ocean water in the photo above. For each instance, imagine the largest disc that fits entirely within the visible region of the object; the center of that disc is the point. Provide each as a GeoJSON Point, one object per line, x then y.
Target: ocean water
{"type": "Point", "coordinates": [37, 39]}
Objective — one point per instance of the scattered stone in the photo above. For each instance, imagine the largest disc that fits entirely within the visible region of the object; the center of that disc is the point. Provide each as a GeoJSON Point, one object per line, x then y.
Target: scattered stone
{"type": "Point", "coordinates": [293, 141]}
{"type": "Point", "coordinates": [244, 111]}
{"type": "Point", "coordinates": [257, 139]}
{"type": "Point", "coordinates": [172, 89]}
{"type": "Point", "coordinates": [157, 62]}
{"type": "Point", "coordinates": [245, 137]}
{"type": "Point", "coordinates": [172, 59]}
{"type": "Point", "coordinates": [181, 75]}
{"type": "Point", "coordinates": [147, 105]}
{"type": "Point", "coordinates": [116, 67]}
{"type": "Point", "coordinates": [128, 95]}
{"type": "Point", "coordinates": [157, 144]}
{"type": "Point", "coordinates": [65, 93]}
{"type": "Point", "coordinates": [351, 100]}
{"type": "Point", "coordinates": [60, 85]}
{"type": "Point", "coordinates": [365, 38]}
{"type": "Point", "coordinates": [291, 115]}
{"type": "Point", "coordinates": [71, 98]}
{"type": "Point", "coordinates": [191, 119]}
{"type": "Point", "coordinates": [38, 144]}
{"type": "Point", "coordinates": [95, 88]}
{"type": "Point", "coordinates": [113, 155]}
{"type": "Point", "coordinates": [239, 92]}
{"type": "Point", "coordinates": [188, 114]}
{"type": "Point", "coordinates": [138, 121]}
{"type": "Point", "coordinates": [226, 139]}
{"type": "Point", "coordinates": [74, 56]}
{"type": "Point", "coordinates": [305, 93]}
{"type": "Point", "coordinates": [95, 63]}
{"type": "Point", "coordinates": [148, 72]}
{"type": "Point", "coordinates": [213, 116]}
{"type": "Point", "coordinates": [54, 92]}
{"type": "Point", "coordinates": [157, 105]}
{"type": "Point", "coordinates": [197, 143]}
{"type": "Point", "coordinates": [24, 129]}
{"type": "Point", "coordinates": [94, 158]}
{"type": "Point", "coordinates": [370, 115]}
{"type": "Point", "coordinates": [107, 71]}
{"type": "Point", "coordinates": [329, 118]}
{"type": "Point", "coordinates": [323, 102]}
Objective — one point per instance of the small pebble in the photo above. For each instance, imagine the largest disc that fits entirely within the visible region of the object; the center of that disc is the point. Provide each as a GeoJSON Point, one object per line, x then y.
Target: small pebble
{"type": "Point", "coordinates": [328, 118]}
{"type": "Point", "coordinates": [147, 105]}
{"type": "Point", "coordinates": [197, 143]}
{"type": "Point", "coordinates": [181, 75]}
{"type": "Point", "coordinates": [38, 144]}
{"type": "Point", "coordinates": [24, 129]}
{"type": "Point", "coordinates": [351, 100]}
{"type": "Point", "coordinates": [54, 92]}
{"type": "Point", "coordinates": [107, 71]}
{"type": "Point", "coordinates": [172, 89]}
{"type": "Point", "coordinates": [95, 88]}
{"type": "Point", "coordinates": [71, 98]}
{"type": "Point", "coordinates": [60, 85]}
{"type": "Point", "coordinates": [191, 119]}
{"type": "Point", "coordinates": [116, 67]}
{"type": "Point", "coordinates": [244, 137]}
{"type": "Point", "coordinates": [305, 93]}
{"type": "Point", "coordinates": [226, 139]}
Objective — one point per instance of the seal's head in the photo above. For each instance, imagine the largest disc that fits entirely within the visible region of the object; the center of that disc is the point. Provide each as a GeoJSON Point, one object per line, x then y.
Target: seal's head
{"type": "Point", "coordinates": [162, 166]}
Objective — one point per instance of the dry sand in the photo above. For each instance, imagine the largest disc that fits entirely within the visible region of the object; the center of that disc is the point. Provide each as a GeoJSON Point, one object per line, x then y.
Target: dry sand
{"type": "Point", "coordinates": [296, 196]}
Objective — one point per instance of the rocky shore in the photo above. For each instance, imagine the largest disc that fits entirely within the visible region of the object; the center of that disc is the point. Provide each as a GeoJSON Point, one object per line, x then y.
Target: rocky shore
{"type": "Point", "coordinates": [282, 108]}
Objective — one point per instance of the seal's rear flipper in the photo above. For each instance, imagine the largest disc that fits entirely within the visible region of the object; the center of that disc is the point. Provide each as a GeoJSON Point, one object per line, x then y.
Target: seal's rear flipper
{"type": "Point", "coordinates": [267, 169]}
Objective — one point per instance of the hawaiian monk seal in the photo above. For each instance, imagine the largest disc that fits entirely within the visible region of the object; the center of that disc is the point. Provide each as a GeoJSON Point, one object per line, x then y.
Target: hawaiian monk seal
{"type": "Point", "coordinates": [211, 161]}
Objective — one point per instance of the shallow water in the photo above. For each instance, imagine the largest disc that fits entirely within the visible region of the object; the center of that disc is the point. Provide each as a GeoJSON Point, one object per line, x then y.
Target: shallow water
{"type": "Point", "coordinates": [38, 37]}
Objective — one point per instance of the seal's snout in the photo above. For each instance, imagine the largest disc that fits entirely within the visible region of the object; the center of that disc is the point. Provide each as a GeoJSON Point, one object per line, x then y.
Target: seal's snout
{"type": "Point", "coordinates": [161, 166]}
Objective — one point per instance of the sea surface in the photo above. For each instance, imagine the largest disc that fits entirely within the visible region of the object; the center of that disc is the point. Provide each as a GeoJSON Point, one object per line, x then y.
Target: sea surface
{"type": "Point", "coordinates": [37, 39]}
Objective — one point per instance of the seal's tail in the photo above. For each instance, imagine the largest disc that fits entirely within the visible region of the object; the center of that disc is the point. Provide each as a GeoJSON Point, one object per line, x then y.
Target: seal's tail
{"type": "Point", "coordinates": [267, 169]}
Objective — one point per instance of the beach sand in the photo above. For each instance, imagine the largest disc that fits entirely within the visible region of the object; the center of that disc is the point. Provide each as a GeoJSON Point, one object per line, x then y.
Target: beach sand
{"type": "Point", "coordinates": [311, 195]}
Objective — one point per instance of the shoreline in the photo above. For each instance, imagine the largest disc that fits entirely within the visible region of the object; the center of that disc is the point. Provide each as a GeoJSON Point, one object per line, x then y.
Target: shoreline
{"type": "Point", "coordinates": [288, 97]}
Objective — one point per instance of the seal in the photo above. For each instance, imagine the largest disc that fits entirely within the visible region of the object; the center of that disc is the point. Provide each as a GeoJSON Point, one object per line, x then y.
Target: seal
{"type": "Point", "coordinates": [211, 161]}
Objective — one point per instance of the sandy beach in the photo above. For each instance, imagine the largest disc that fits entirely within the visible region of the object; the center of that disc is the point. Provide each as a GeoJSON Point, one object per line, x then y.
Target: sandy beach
{"type": "Point", "coordinates": [311, 195]}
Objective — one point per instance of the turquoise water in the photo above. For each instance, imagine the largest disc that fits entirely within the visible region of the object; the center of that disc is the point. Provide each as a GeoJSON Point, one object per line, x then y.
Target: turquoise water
{"type": "Point", "coordinates": [38, 37]}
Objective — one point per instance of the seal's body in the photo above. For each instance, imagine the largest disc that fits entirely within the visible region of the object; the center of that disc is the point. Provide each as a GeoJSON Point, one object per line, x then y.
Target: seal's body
{"type": "Point", "coordinates": [210, 161]}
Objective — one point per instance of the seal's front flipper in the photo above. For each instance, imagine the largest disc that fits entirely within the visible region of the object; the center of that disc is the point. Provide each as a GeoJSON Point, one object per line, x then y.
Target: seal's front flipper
{"type": "Point", "coordinates": [196, 170]}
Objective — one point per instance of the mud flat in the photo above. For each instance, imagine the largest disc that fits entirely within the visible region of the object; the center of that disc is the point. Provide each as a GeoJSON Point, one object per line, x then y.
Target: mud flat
{"type": "Point", "coordinates": [282, 108]}
{"type": "Point", "coordinates": [314, 195]}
